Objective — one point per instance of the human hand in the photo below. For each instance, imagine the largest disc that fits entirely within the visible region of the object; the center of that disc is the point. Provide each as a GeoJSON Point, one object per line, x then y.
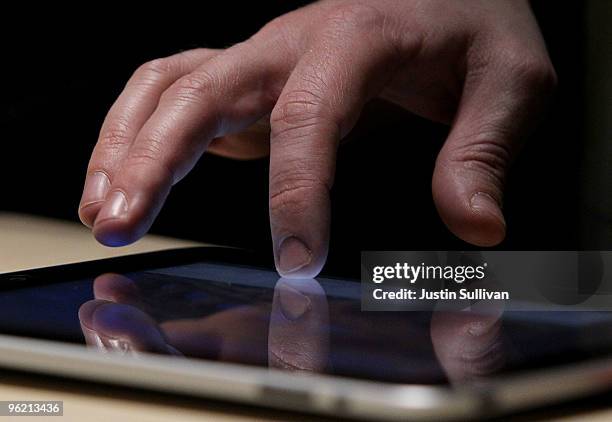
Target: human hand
{"type": "Point", "coordinates": [478, 65]}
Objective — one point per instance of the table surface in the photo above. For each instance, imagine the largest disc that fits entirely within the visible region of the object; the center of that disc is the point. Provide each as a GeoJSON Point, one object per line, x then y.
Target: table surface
{"type": "Point", "coordinates": [30, 242]}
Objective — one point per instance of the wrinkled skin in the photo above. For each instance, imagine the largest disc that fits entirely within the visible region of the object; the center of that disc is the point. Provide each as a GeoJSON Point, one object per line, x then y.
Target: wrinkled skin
{"type": "Point", "coordinates": [480, 66]}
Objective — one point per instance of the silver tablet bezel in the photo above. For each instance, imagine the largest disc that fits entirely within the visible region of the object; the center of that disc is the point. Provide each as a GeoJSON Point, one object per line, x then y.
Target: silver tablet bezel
{"type": "Point", "coordinates": [314, 393]}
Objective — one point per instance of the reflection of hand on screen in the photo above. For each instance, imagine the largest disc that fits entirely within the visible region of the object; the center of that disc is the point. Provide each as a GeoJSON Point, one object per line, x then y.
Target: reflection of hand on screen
{"type": "Point", "coordinates": [299, 326]}
{"type": "Point", "coordinates": [292, 335]}
{"type": "Point", "coordinates": [469, 342]}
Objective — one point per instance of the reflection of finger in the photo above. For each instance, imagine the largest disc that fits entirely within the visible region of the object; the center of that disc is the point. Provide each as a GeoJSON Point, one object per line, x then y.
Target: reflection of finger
{"type": "Point", "coordinates": [116, 288]}
{"type": "Point", "coordinates": [121, 328]}
{"type": "Point", "coordinates": [234, 335]}
{"type": "Point", "coordinates": [224, 335]}
{"type": "Point", "coordinates": [299, 326]}
{"type": "Point", "coordinates": [468, 344]}
{"type": "Point", "coordinates": [85, 318]}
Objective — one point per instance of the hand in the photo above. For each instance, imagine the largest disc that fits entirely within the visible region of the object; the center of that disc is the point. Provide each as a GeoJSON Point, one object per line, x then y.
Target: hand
{"type": "Point", "coordinates": [478, 65]}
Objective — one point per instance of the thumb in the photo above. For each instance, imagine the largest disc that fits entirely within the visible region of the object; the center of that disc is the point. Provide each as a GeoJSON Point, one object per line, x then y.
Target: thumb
{"type": "Point", "coordinates": [496, 112]}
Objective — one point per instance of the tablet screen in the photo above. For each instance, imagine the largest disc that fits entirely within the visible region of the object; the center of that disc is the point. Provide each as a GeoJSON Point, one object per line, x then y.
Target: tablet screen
{"type": "Point", "coordinates": [248, 315]}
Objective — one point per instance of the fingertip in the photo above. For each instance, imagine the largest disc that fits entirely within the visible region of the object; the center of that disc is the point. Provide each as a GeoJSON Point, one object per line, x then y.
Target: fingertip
{"type": "Point", "coordinates": [115, 233]}
{"type": "Point", "coordinates": [89, 212]}
{"type": "Point", "coordinates": [115, 288]}
{"type": "Point", "coordinates": [469, 206]}
{"type": "Point", "coordinates": [97, 185]}
{"type": "Point", "coordinates": [477, 220]}
{"type": "Point", "coordinates": [476, 226]}
{"type": "Point", "coordinates": [120, 221]}
{"type": "Point", "coordinates": [295, 260]}
{"type": "Point", "coordinates": [490, 230]}
{"type": "Point", "coordinates": [311, 271]}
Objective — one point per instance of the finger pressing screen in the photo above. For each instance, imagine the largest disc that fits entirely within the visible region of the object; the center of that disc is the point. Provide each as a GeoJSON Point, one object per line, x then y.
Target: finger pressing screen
{"type": "Point", "coordinates": [318, 106]}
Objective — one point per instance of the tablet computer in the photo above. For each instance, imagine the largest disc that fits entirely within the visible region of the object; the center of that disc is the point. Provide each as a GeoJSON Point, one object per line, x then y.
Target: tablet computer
{"type": "Point", "coordinates": [217, 323]}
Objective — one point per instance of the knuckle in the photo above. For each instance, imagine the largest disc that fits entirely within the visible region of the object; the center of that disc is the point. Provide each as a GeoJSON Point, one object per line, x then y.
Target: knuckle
{"type": "Point", "coordinates": [147, 153]}
{"type": "Point", "coordinates": [538, 74]}
{"type": "Point", "coordinates": [150, 154]}
{"type": "Point", "coordinates": [194, 87]}
{"type": "Point", "coordinates": [279, 34]}
{"type": "Point", "coordinates": [533, 72]}
{"type": "Point", "coordinates": [298, 111]}
{"type": "Point", "coordinates": [114, 137]}
{"type": "Point", "coordinates": [275, 26]}
{"type": "Point", "coordinates": [356, 16]}
{"type": "Point", "coordinates": [293, 191]}
{"type": "Point", "coordinates": [486, 154]}
{"type": "Point", "coordinates": [153, 70]}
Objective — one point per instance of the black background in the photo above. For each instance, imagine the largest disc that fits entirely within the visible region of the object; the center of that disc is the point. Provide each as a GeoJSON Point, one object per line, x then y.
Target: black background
{"type": "Point", "coordinates": [62, 69]}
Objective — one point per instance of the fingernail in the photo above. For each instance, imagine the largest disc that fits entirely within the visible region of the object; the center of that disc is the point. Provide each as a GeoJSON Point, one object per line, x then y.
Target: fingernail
{"type": "Point", "coordinates": [293, 255]}
{"type": "Point", "coordinates": [96, 187]}
{"type": "Point", "coordinates": [293, 303]}
{"type": "Point", "coordinates": [483, 202]}
{"type": "Point", "coordinates": [116, 206]}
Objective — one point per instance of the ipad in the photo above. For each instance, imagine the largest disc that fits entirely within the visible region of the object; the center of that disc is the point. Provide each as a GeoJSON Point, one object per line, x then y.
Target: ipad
{"type": "Point", "coordinates": [219, 323]}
